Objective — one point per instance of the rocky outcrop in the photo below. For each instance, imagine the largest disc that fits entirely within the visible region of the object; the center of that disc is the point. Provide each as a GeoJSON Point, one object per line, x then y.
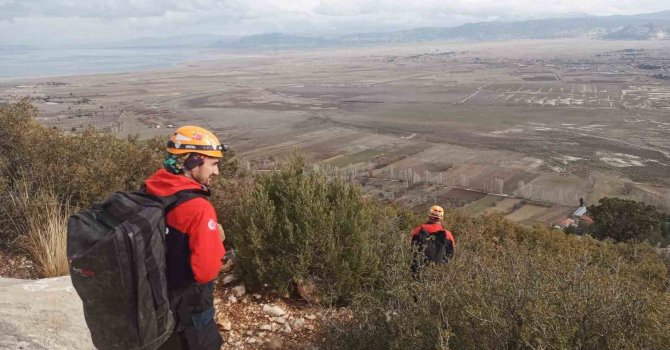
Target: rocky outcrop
{"type": "Point", "coordinates": [47, 314]}
{"type": "Point", "coordinates": [42, 314]}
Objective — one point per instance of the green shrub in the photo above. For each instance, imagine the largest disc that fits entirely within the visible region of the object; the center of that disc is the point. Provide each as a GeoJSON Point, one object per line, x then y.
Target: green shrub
{"type": "Point", "coordinates": [81, 168]}
{"type": "Point", "coordinates": [84, 168]}
{"type": "Point", "coordinates": [515, 287]}
{"type": "Point", "coordinates": [295, 228]}
{"type": "Point", "coordinates": [626, 220]}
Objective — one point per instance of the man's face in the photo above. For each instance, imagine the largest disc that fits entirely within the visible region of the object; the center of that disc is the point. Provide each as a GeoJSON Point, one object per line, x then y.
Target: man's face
{"type": "Point", "coordinates": [204, 173]}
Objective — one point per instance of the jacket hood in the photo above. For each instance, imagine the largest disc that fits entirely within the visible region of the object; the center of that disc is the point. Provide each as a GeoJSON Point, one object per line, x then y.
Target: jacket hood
{"type": "Point", "coordinates": [164, 183]}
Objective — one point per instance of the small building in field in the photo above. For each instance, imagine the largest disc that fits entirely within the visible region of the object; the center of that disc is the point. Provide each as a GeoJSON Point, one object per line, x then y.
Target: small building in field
{"type": "Point", "coordinates": [577, 220]}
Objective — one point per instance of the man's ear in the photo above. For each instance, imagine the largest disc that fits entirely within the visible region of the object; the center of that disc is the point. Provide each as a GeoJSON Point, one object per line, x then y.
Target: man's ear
{"type": "Point", "coordinates": [193, 161]}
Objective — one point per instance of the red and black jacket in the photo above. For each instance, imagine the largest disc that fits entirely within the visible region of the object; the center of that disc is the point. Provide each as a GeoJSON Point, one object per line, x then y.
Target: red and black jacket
{"type": "Point", "coordinates": [432, 228]}
{"type": "Point", "coordinates": [194, 248]}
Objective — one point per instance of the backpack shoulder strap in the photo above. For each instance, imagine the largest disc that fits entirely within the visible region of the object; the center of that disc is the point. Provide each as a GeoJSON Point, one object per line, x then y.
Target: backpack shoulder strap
{"type": "Point", "coordinates": [183, 196]}
{"type": "Point", "coordinates": [170, 202]}
{"type": "Point", "coordinates": [421, 236]}
{"type": "Point", "coordinates": [440, 237]}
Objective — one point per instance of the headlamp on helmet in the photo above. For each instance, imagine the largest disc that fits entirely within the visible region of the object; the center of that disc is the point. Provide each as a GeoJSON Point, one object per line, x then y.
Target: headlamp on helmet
{"type": "Point", "coordinates": [194, 139]}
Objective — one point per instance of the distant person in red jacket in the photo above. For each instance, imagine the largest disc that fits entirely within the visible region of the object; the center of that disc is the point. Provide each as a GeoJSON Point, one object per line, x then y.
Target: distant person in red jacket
{"type": "Point", "coordinates": [432, 242]}
{"type": "Point", "coordinates": [193, 246]}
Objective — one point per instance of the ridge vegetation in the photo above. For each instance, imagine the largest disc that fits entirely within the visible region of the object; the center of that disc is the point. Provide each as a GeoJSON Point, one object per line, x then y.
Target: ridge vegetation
{"type": "Point", "coordinates": [508, 286]}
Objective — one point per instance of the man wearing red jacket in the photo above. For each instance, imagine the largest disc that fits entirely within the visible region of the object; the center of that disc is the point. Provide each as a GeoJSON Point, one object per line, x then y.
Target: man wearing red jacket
{"type": "Point", "coordinates": [435, 242]}
{"type": "Point", "coordinates": [193, 246]}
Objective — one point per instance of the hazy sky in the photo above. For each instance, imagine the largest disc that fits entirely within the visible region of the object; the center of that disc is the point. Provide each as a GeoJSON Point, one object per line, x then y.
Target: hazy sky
{"type": "Point", "coordinates": [45, 22]}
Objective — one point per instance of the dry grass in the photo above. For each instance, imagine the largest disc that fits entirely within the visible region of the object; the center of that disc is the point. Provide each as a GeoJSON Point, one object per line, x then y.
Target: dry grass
{"type": "Point", "coordinates": [47, 242]}
{"type": "Point", "coordinates": [40, 222]}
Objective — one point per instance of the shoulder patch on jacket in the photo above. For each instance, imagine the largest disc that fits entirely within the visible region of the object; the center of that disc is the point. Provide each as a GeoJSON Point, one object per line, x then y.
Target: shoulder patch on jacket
{"type": "Point", "coordinates": [211, 224]}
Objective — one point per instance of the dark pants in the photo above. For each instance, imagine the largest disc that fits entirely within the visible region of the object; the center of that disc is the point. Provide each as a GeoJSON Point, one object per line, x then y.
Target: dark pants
{"type": "Point", "coordinates": [195, 328]}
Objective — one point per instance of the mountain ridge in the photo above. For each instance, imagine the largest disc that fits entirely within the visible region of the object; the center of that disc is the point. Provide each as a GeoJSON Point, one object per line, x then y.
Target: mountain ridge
{"type": "Point", "coordinates": [651, 26]}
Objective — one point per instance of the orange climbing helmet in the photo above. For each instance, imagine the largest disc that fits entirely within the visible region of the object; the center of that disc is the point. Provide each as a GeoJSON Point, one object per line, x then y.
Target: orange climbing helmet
{"type": "Point", "coordinates": [194, 139]}
{"type": "Point", "coordinates": [437, 212]}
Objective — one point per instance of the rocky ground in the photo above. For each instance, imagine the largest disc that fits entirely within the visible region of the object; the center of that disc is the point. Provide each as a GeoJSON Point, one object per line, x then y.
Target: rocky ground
{"type": "Point", "coordinates": [266, 320]}
{"type": "Point", "coordinates": [16, 266]}
{"type": "Point", "coordinates": [246, 320]}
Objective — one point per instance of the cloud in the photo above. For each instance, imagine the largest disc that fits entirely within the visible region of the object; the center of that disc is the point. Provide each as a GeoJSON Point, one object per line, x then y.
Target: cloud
{"type": "Point", "coordinates": [122, 18]}
{"type": "Point", "coordinates": [102, 9]}
{"type": "Point", "coordinates": [105, 9]}
{"type": "Point", "coordinates": [486, 8]}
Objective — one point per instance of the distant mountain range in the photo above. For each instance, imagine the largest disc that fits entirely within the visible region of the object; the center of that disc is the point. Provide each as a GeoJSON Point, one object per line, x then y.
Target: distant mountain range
{"type": "Point", "coordinates": [652, 26]}
{"type": "Point", "coordinates": [649, 31]}
{"type": "Point", "coordinates": [277, 40]}
{"type": "Point", "coordinates": [191, 40]}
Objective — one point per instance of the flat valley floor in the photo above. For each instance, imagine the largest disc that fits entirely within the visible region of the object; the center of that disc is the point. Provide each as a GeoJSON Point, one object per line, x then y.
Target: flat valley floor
{"type": "Point", "coordinates": [524, 128]}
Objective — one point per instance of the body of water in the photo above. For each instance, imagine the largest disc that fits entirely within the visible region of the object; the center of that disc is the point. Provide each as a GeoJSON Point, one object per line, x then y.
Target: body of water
{"type": "Point", "coordinates": [26, 63]}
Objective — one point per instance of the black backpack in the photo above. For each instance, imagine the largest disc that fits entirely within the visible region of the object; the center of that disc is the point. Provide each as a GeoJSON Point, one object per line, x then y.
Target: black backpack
{"type": "Point", "coordinates": [431, 247]}
{"type": "Point", "coordinates": [116, 253]}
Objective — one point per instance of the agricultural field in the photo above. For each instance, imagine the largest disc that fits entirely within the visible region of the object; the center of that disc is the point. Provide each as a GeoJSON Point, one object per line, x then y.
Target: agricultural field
{"type": "Point", "coordinates": [522, 128]}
